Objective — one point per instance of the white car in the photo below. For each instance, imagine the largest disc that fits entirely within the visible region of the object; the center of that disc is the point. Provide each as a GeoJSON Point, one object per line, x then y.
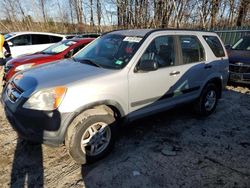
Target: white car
{"type": "Point", "coordinates": [30, 42]}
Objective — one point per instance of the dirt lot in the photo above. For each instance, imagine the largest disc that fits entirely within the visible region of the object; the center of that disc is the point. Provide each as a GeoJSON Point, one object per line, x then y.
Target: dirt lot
{"type": "Point", "coordinates": [171, 149]}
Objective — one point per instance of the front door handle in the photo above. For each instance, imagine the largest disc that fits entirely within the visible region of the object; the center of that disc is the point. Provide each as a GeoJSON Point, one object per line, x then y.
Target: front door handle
{"type": "Point", "coordinates": [174, 73]}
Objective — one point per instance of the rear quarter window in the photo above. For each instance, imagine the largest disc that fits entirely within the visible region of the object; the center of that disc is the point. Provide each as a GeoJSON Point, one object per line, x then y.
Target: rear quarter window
{"type": "Point", "coordinates": [55, 39]}
{"type": "Point", "coordinates": [215, 45]}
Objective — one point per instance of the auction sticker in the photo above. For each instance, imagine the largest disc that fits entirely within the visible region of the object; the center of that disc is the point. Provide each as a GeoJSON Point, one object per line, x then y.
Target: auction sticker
{"type": "Point", "coordinates": [132, 39]}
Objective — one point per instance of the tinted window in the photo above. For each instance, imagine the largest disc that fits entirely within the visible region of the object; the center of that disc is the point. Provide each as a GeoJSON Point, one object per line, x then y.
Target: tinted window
{"type": "Point", "coordinates": [242, 44]}
{"type": "Point", "coordinates": [40, 39]}
{"type": "Point", "coordinates": [21, 40]}
{"type": "Point", "coordinates": [55, 39]}
{"type": "Point", "coordinates": [77, 49]}
{"type": "Point", "coordinates": [192, 50]}
{"type": "Point", "coordinates": [161, 50]}
{"type": "Point", "coordinates": [215, 45]}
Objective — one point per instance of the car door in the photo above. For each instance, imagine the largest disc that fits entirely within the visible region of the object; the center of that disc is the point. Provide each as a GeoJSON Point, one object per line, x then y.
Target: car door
{"type": "Point", "coordinates": [165, 87]}
{"type": "Point", "coordinates": [20, 45]}
{"type": "Point", "coordinates": [148, 91]}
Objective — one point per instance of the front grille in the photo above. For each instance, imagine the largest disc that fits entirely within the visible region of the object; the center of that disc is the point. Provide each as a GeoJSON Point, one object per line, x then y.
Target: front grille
{"type": "Point", "coordinates": [239, 68]}
{"type": "Point", "coordinates": [13, 92]}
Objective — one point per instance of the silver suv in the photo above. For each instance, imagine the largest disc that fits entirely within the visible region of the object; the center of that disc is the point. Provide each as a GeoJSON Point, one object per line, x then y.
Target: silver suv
{"type": "Point", "coordinates": [122, 75]}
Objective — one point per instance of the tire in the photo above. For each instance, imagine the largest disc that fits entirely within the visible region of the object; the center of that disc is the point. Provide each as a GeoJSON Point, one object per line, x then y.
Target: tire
{"type": "Point", "coordinates": [90, 137]}
{"type": "Point", "coordinates": [207, 102]}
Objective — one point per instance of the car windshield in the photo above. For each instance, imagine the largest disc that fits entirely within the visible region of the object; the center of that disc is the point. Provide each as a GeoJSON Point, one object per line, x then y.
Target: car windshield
{"type": "Point", "coordinates": [9, 35]}
{"type": "Point", "coordinates": [59, 47]}
{"type": "Point", "coordinates": [242, 44]}
{"type": "Point", "coordinates": [110, 51]}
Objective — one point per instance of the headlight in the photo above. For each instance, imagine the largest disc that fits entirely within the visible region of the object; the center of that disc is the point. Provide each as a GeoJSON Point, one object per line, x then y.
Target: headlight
{"type": "Point", "coordinates": [48, 99]}
{"type": "Point", "coordinates": [24, 67]}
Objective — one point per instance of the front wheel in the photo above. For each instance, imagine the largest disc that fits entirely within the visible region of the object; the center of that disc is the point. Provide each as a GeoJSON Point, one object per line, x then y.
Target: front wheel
{"type": "Point", "coordinates": [90, 138]}
{"type": "Point", "coordinates": [206, 103]}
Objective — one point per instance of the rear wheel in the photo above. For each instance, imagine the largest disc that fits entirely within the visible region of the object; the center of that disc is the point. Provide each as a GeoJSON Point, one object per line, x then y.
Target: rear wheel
{"type": "Point", "coordinates": [90, 137]}
{"type": "Point", "coordinates": [206, 103]}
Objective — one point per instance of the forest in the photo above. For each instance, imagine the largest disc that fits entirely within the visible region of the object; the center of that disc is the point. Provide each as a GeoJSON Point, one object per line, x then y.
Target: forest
{"type": "Point", "coordinates": [77, 16]}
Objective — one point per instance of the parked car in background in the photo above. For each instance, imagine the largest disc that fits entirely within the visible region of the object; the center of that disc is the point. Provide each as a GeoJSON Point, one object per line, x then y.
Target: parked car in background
{"type": "Point", "coordinates": [30, 42]}
{"type": "Point", "coordinates": [61, 50]}
{"type": "Point", "coordinates": [122, 75]}
{"type": "Point", "coordinates": [239, 61]}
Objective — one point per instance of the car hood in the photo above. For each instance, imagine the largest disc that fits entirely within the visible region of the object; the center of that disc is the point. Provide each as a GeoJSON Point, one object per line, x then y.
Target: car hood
{"type": "Point", "coordinates": [242, 56]}
{"type": "Point", "coordinates": [30, 58]}
{"type": "Point", "coordinates": [58, 73]}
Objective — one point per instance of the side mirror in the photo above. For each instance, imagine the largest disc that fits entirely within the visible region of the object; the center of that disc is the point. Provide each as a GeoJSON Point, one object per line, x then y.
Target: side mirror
{"type": "Point", "coordinates": [10, 44]}
{"type": "Point", "coordinates": [148, 65]}
{"type": "Point", "coordinates": [228, 46]}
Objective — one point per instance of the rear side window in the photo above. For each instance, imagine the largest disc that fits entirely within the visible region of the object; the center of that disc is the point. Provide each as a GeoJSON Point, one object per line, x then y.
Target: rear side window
{"type": "Point", "coordinates": [55, 39]}
{"type": "Point", "coordinates": [192, 50]}
{"type": "Point", "coordinates": [40, 39]}
{"type": "Point", "coordinates": [215, 45]}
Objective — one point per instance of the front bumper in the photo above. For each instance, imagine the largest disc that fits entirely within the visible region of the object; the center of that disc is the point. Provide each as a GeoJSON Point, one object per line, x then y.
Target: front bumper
{"type": "Point", "coordinates": [239, 73]}
{"type": "Point", "coordinates": [46, 127]}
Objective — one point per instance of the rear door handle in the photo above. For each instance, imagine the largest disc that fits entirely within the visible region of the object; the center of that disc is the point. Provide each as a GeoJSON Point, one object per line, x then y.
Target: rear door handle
{"type": "Point", "coordinates": [208, 67]}
{"type": "Point", "coordinates": [174, 73]}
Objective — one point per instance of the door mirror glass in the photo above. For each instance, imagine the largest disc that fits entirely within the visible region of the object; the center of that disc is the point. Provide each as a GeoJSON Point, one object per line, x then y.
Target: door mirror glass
{"type": "Point", "coordinates": [10, 44]}
{"type": "Point", "coordinates": [148, 65]}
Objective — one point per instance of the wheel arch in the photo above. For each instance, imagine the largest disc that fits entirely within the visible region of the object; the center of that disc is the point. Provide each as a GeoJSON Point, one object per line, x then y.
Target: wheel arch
{"type": "Point", "coordinates": [108, 105]}
{"type": "Point", "coordinates": [218, 82]}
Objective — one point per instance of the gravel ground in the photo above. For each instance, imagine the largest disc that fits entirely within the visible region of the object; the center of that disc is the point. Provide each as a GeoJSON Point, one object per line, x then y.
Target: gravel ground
{"type": "Point", "coordinates": [171, 149]}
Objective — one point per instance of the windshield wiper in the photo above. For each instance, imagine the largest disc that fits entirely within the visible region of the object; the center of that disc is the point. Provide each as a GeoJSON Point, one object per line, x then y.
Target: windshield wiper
{"type": "Point", "coordinates": [88, 61]}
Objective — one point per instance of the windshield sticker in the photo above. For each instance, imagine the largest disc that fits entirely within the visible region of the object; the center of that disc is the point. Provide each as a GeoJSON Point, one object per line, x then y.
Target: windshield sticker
{"type": "Point", "coordinates": [132, 39]}
{"type": "Point", "coordinates": [119, 62]}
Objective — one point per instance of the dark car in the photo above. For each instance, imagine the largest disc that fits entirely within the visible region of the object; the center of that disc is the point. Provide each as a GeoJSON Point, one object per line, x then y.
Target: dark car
{"type": "Point", "coordinates": [239, 61]}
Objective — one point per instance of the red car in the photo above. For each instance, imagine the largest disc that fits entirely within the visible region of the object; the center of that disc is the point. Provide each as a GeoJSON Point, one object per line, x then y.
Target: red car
{"type": "Point", "coordinates": [60, 50]}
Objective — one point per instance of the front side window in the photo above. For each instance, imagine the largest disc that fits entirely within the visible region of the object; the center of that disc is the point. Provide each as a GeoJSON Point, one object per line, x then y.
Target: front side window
{"type": "Point", "coordinates": [21, 40]}
{"type": "Point", "coordinates": [110, 51]}
{"type": "Point", "coordinates": [160, 50]}
{"type": "Point", "coordinates": [192, 50]}
{"type": "Point", "coordinates": [58, 47]}
{"type": "Point", "coordinates": [242, 44]}
{"type": "Point", "coordinates": [215, 45]}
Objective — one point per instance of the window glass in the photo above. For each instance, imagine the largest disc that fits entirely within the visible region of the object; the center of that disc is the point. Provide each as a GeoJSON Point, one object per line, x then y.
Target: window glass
{"type": "Point", "coordinates": [77, 49]}
{"type": "Point", "coordinates": [192, 50]}
{"type": "Point", "coordinates": [40, 39]}
{"type": "Point", "coordinates": [215, 45]}
{"type": "Point", "coordinates": [110, 51]}
{"type": "Point", "coordinates": [55, 39]}
{"type": "Point", "coordinates": [59, 47]}
{"type": "Point", "coordinates": [242, 44]}
{"type": "Point", "coordinates": [161, 50]}
{"type": "Point", "coordinates": [9, 35]}
{"type": "Point", "coordinates": [21, 40]}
